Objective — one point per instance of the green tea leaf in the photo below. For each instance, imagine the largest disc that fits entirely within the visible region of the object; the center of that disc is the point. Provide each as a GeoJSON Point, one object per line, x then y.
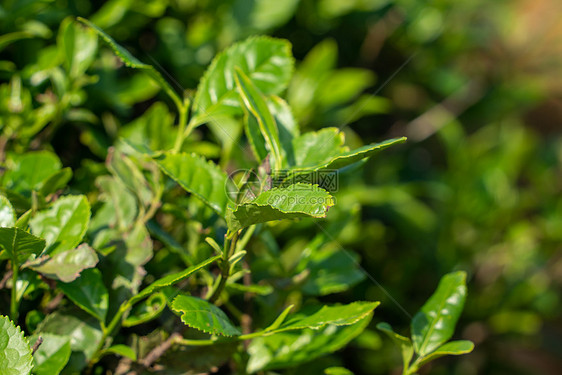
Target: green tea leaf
{"type": "Point", "coordinates": [121, 350]}
{"type": "Point", "coordinates": [64, 224]}
{"type": "Point", "coordinates": [18, 245]}
{"type": "Point", "coordinates": [171, 280]}
{"type": "Point", "coordinates": [268, 62]}
{"type": "Point", "coordinates": [199, 177]}
{"type": "Point", "coordinates": [15, 353]}
{"type": "Point", "coordinates": [204, 316]}
{"type": "Point", "coordinates": [78, 46]}
{"type": "Point", "coordinates": [337, 371]}
{"type": "Point", "coordinates": [451, 348]}
{"type": "Point", "coordinates": [52, 355]}
{"type": "Point", "coordinates": [353, 156]}
{"type": "Point", "coordinates": [321, 147]}
{"type": "Point", "coordinates": [7, 213]}
{"type": "Point", "coordinates": [88, 292]}
{"type": "Point", "coordinates": [280, 319]}
{"type": "Point", "coordinates": [27, 171]}
{"type": "Point", "coordinates": [404, 343]}
{"type": "Point", "coordinates": [287, 126]}
{"type": "Point", "coordinates": [122, 167]}
{"type": "Point", "coordinates": [288, 349]}
{"type": "Point", "coordinates": [316, 317]}
{"type": "Point", "coordinates": [82, 330]}
{"type": "Point", "coordinates": [331, 271]}
{"type": "Point", "coordinates": [120, 206]}
{"type": "Point", "coordinates": [255, 137]}
{"type": "Point", "coordinates": [153, 129]}
{"type": "Point", "coordinates": [146, 311]}
{"type": "Point", "coordinates": [132, 62]}
{"type": "Point", "coordinates": [316, 148]}
{"type": "Point", "coordinates": [256, 105]}
{"type": "Point", "coordinates": [56, 181]}
{"type": "Point", "coordinates": [295, 201]}
{"type": "Point", "coordinates": [435, 323]}
{"type": "Point", "coordinates": [67, 265]}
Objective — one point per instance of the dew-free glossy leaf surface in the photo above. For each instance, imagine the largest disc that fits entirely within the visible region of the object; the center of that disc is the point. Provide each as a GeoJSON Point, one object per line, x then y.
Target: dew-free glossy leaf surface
{"type": "Point", "coordinates": [67, 265]}
{"type": "Point", "coordinates": [18, 245]}
{"type": "Point", "coordinates": [337, 371]}
{"type": "Point", "coordinates": [52, 355]}
{"type": "Point", "coordinates": [121, 350]}
{"type": "Point", "coordinates": [451, 348]}
{"type": "Point", "coordinates": [88, 292]}
{"type": "Point", "coordinates": [204, 316]}
{"type": "Point", "coordinates": [198, 176]}
{"type": "Point", "coordinates": [315, 148]}
{"type": "Point", "coordinates": [287, 349]}
{"type": "Point", "coordinates": [56, 181]}
{"type": "Point", "coordinates": [171, 279]}
{"type": "Point", "coordinates": [15, 353]}
{"type": "Point", "coordinates": [122, 167]}
{"type": "Point", "coordinates": [120, 206]}
{"type": "Point", "coordinates": [64, 224]}
{"type": "Point", "coordinates": [344, 158]}
{"type": "Point", "coordinates": [268, 62]}
{"type": "Point", "coordinates": [27, 171]}
{"type": "Point", "coordinates": [82, 330]}
{"type": "Point", "coordinates": [435, 323]}
{"type": "Point", "coordinates": [7, 213]}
{"type": "Point", "coordinates": [256, 105]}
{"type": "Point", "coordinates": [295, 201]}
{"type": "Point", "coordinates": [79, 46]}
{"type": "Point", "coordinates": [315, 317]}
{"type": "Point", "coordinates": [132, 62]}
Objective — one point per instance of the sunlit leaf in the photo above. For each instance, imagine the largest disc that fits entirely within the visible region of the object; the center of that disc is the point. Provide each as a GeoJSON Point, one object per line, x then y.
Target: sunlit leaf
{"type": "Point", "coordinates": [52, 355]}
{"type": "Point", "coordinates": [7, 213]}
{"type": "Point", "coordinates": [15, 353]}
{"type": "Point", "coordinates": [88, 292]}
{"type": "Point", "coordinates": [82, 330]}
{"type": "Point", "coordinates": [451, 348]}
{"type": "Point", "coordinates": [78, 45]}
{"type": "Point", "coordinates": [27, 171]}
{"type": "Point", "coordinates": [18, 245]}
{"type": "Point", "coordinates": [64, 224]}
{"type": "Point", "coordinates": [67, 265]}
{"type": "Point", "coordinates": [295, 201]}
{"type": "Point", "coordinates": [198, 176]}
{"type": "Point", "coordinates": [288, 349]}
{"type": "Point", "coordinates": [337, 371]}
{"type": "Point", "coordinates": [204, 316]}
{"type": "Point", "coordinates": [256, 106]}
{"type": "Point", "coordinates": [316, 317]}
{"type": "Point", "coordinates": [171, 279]}
{"type": "Point", "coordinates": [266, 61]}
{"type": "Point", "coordinates": [435, 323]}
{"type": "Point", "coordinates": [121, 350]}
{"type": "Point", "coordinates": [56, 181]}
{"type": "Point", "coordinates": [132, 62]}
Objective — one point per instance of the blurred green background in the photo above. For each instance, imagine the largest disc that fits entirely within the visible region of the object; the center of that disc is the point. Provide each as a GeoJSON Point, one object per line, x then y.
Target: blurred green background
{"type": "Point", "coordinates": [475, 85]}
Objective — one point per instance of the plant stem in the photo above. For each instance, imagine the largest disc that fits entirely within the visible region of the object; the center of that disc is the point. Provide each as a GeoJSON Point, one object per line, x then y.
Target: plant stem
{"type": "Point", "coordinates": [225, 266]}
{"type": "Point", "coordinates": [107, 331]}
{"type": "Point", "coordinates": [14, 308]}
